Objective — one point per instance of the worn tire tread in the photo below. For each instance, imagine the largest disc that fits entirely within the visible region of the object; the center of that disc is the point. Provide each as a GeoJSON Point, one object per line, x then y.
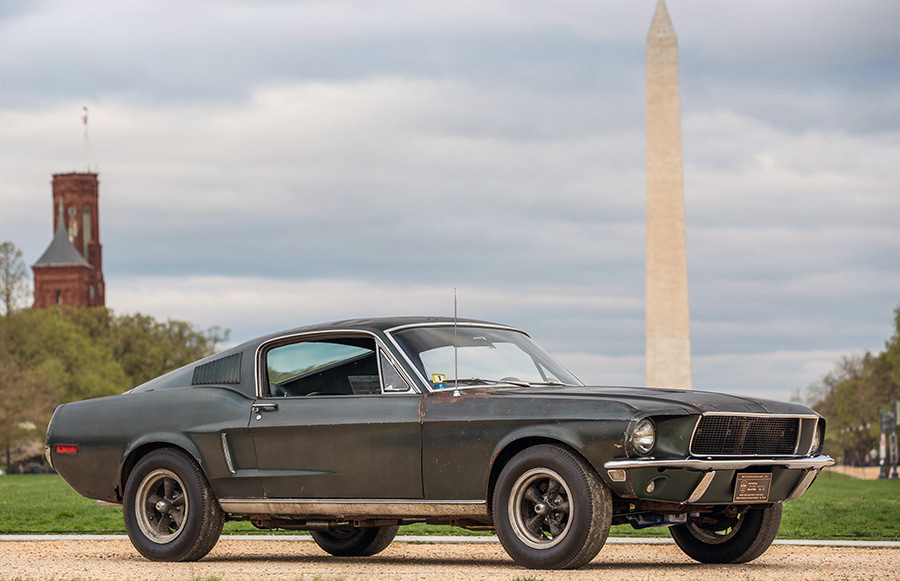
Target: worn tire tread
{"type": "Point", "coordinates": [365, 545]}
{"type": "Point", "coordinates": [752, 540]}
{"type": "Point", "coordinates": [599, 508]}
{"type": "Point", "coordinates": [212, 517]}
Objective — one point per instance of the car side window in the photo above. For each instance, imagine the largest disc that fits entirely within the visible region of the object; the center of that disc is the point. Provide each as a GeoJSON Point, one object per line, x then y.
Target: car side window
{"type": "Point", "coordinates": [391, 380]}
{"type": "Point", "coordinates": [339, 366]}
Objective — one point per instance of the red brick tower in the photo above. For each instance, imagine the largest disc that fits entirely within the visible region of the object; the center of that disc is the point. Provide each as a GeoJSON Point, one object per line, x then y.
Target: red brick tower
{"type": "Point", "coordinates": [70, 272]}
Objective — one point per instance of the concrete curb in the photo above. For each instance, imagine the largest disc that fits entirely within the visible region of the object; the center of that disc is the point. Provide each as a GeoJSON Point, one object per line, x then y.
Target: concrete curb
{"type": "Point", "coordinates": [457, 540]}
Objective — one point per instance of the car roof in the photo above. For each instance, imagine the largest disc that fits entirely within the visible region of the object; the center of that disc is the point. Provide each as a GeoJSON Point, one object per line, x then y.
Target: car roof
{"type": "Point", "coordinates": [183, 375]}
{"type": "Point", "coordinates": [374, 324]}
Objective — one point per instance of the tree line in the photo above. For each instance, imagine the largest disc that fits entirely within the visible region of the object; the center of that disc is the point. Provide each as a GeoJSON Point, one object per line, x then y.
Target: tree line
{"type": "Point", "coordinates": [52, 356]}
{"type": "Point", "coordinates": [58, 355]}
{"type": "Point", "coordinates": [851, 397]}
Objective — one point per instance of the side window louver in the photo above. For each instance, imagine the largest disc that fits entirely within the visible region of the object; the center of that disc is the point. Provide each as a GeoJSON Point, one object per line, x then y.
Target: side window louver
{"type": "Point", "coordinates": [224, 370]}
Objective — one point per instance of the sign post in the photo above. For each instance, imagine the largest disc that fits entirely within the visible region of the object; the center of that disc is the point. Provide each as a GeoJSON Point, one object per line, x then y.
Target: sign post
{"type": "Point", "coordinates": [888, 447]}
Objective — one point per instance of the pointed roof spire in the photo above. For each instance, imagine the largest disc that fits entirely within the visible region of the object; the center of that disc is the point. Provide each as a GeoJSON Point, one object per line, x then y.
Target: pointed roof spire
{"type": "Point", "coordinates": [61, 252]}
{"type": "Point", "coordinates": [661, 25]}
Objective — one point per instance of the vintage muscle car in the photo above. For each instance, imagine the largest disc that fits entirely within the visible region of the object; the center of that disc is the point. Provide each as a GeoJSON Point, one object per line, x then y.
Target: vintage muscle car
{"type": "Point", "coordinates": [350, 429]}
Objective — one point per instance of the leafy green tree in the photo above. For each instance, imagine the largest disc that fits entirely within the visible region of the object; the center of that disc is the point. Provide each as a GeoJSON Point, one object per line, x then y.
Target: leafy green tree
{"type": "Point", "coordinates": [74, 365]}
{"type": "Point", "coordinates": [53, 356]}
{"type": "Point", "coordinates": [892, 349]}
{"type": "Point", "coordinates": [147, 348]}
{"type": "Point", "coordinates": [28, 399]}
{"type": "Point", "coordinates": [850, 397]}
{"type": "Point", "coordinates": [13, 278]}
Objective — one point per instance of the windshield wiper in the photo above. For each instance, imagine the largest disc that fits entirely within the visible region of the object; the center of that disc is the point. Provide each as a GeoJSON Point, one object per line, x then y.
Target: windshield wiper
{"type": "Point", "coordinates": [477, 380]}
{"type": "Point", "coordinates": [550, 383]}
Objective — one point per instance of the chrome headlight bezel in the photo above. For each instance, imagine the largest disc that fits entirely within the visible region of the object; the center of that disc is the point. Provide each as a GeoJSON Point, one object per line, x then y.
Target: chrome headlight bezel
{"type": "Point", "coordinates": [643, 436]}
{"type": "Point", "coordinates": [815, 446]}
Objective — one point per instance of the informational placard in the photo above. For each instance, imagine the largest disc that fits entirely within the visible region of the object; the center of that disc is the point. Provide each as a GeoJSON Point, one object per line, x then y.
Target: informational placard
{"type": "Point", "coordinates": [752, 487]}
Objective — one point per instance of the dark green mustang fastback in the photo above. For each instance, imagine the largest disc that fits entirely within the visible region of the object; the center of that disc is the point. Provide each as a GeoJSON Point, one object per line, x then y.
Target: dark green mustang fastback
{"type": "Point", "coordinates": [350, 429]}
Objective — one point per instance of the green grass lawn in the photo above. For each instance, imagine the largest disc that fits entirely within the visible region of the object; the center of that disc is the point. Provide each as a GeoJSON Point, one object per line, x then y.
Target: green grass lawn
{"type": "Point", "coordinates": [836, 507]}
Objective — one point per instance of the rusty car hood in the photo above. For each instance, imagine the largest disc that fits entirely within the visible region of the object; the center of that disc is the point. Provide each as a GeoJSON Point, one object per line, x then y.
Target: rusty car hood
{"type": "Point", "coordinates": [648, 399]}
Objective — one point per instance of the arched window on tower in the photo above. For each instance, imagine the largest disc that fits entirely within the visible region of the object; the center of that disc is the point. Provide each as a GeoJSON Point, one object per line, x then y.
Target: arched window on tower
{"type": "Point", "coordinates": [85, 230]}
{"type": "Point", "coordinates": [73, 225]}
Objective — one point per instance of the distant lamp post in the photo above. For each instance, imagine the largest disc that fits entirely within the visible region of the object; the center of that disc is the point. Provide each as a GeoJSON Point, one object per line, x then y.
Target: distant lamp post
{"type": "Point", "coordinates": [894, 452]}
{"type": "Point", "coordinates": [888, 445]}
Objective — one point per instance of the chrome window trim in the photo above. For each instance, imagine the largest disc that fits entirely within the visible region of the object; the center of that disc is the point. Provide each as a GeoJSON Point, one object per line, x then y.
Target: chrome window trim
{"type": "Point", "coordinates": [799, 417]}
{"type": "Point", "coordinates": [358, 507]}
{"type": "Point", "coordinates": [381, 351]}
{"type": "Point", "coordinates": [260, 373]}
{"type": "Point", "coordinates": [423, 380]}
{"type": "Point", "coordinates": [451, 324]}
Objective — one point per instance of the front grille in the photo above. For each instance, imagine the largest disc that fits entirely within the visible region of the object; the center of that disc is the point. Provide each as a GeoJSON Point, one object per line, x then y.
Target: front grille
{"type": "Point", "coordinates": [745, 436]}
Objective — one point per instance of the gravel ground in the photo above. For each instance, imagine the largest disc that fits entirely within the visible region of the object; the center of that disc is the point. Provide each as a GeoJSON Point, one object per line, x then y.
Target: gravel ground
{"type": "Point", "coordinates": [233, 559]}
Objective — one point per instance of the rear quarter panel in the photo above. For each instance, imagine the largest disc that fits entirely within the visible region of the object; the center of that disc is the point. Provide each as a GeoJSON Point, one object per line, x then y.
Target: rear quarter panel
{"type": "Point", "coordinates": [107, 429]}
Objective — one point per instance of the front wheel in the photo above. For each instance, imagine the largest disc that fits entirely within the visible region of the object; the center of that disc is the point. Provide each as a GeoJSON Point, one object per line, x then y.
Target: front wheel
{"type": "Point", "coordinates": [550, 509]}
{"type": "Point", "coordinates": [355, 541]}
{"type": "Point", "coordinates": [170, 511]}
{"type": "Point", "coordinates": [729, 537]}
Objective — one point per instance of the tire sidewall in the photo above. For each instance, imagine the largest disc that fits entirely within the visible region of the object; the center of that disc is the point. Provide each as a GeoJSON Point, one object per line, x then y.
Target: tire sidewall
{"type": "Point", "coordinates": [580, 515]}
{"type": "Point", "coordinates": [748, 542]}
{"type": "Point", "coordinates": [175, 549]}
{"type": "Point", "coordinates": [364, 542]}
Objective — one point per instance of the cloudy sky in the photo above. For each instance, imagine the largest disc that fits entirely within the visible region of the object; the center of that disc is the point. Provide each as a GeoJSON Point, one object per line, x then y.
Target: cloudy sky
{"type": "Point", "coordinates": [266, 164]}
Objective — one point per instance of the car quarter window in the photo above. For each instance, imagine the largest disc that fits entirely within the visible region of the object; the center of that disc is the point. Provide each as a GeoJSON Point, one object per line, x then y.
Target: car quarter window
{"type": "Point", "coordinates": [392, 381]}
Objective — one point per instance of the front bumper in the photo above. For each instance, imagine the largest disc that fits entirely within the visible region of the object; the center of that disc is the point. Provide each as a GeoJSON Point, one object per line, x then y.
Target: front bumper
{"type": "Point", "coordinates": [702, 481]}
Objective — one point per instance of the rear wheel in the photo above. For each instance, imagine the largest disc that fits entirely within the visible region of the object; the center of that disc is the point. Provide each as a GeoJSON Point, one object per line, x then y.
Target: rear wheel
{"type": "Point", "coordinates": [729, 537]}
{"type": "Point", "coordinates": [550, 509]}
{"type": "Point", "coordinates": [355, 541]}
{"type": "Point", "coordinates": [170, 511]}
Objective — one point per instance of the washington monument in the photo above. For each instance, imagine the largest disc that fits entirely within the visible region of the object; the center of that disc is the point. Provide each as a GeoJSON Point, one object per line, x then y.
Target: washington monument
{"type": "Point", "coordinates": [668, 320]}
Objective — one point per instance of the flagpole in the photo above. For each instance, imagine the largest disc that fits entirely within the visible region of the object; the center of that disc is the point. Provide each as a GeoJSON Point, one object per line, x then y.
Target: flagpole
{"type": "Point", "coordinates": [87, 147]}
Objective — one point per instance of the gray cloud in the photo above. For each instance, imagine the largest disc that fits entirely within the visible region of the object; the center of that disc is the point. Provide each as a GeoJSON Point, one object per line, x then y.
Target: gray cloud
{"type": "Point", "coordinates": [269, 164]}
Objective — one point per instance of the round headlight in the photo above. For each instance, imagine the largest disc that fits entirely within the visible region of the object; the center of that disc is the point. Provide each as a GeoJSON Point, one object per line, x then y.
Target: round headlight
{"type": "Point", "coordinates": [816, 445]}
{"type": "Point", "coordinates": [643, 436]}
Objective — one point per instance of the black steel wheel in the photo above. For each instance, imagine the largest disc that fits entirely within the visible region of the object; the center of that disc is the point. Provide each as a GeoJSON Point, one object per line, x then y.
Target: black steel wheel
{"type": "Point", "coordinates": [354, 541]}
{"type": "Point", "coordinates": [551, 510]}
{"type": "Point", "coordinates": [729, 537]}
{"type": "Point", "coordinates": [170, 511]}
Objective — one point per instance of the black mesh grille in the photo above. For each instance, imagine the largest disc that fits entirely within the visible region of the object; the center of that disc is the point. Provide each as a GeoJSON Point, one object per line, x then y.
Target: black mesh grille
{"type": "Point", "coordinates": [745, 436]}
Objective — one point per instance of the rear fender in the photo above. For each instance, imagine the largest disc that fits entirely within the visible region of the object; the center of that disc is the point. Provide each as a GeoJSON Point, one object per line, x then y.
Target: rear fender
{"type": "Point", "coordinates": [154, 441]}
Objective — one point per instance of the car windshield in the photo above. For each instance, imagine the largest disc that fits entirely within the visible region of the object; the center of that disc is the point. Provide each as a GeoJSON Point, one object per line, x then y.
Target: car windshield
{"type": "Point", "coordinates": [483, 355]}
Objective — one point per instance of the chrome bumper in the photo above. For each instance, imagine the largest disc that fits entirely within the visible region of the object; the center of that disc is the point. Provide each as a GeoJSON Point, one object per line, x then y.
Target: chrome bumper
{"type": "Point", "coordinates": [816, 463]}
{"type": "Point", "coordinates": [617, 470]}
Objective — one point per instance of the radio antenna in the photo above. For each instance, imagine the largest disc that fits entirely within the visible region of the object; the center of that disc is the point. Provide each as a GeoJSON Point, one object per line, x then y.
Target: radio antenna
{"type": "Point", "coordinates": [455, 346]}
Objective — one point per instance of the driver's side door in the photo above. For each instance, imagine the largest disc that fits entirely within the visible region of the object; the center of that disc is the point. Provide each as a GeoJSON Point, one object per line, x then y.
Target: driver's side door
{"type": "Point", "coordinates": [336, 420]}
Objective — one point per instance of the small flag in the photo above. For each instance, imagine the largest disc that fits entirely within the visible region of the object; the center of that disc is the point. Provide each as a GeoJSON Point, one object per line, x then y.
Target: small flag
{"type": "Point", "coordinates": [84, 119]}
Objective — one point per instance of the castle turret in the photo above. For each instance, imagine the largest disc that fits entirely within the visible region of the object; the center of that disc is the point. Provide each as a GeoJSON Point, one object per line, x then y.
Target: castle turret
{"type": "Point", "coordinates": [70, 271]}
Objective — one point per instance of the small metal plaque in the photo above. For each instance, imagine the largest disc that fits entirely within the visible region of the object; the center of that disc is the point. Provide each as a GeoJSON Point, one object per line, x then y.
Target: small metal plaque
{"type": "Point", "coordinates": [752, 487]}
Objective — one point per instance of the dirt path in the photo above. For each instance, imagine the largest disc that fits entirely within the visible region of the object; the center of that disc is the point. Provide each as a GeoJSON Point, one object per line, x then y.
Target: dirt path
{"type": "Point", "coordinates": [231, 559]}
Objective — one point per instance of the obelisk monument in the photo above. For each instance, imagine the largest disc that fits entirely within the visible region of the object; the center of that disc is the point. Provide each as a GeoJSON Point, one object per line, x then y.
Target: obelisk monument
{"type": "Point", "coordinates": [668, 320]}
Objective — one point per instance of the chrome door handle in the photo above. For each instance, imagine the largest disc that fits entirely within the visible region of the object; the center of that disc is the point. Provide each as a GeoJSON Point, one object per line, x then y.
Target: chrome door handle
{"type": "Point", "coordinates": [264, 407]}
